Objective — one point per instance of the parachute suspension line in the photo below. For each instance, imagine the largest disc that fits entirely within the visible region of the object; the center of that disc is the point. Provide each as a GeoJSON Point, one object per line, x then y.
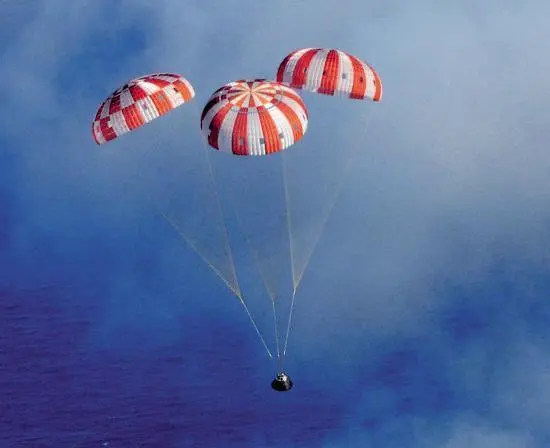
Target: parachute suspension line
{"type": "Point", "coordinates": [295, 280]}
{"type": "Point", "coordinates": [240, 297]}
{"type": "Point", "coordinates": [330, 205]}
{"type": "Point", "coordinates": [276, 325]}
{"type": "Point", "coordinates": [234, 285]}
{"type": "Point", "coordinates": [253, 251]}
{"type": "Point", "coordinates": [220, 209]}
{"type": "Point", "coordinates": [228, 250]}
{"type": "Point", "coordinates": [268, 289]}
{"type": "Point", "coordinates": [233, 288]}
{"type": "Point", "coordinates": [289, 222]}
{"type": "Point", "coordinates": [238, 293]}
{"type": "Point", "coordinates": [329, 208]}
{"type": "Point", "coordinates": [289, 319]}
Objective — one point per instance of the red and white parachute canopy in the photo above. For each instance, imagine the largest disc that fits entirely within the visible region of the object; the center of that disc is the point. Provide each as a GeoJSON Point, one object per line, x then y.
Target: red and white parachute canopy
{"type": "Point", "coordinates": [255, 117]}
{"type": "Point", "coordinates": [330, 72]}
{"type": "Point", "coordinates": [138, 102]}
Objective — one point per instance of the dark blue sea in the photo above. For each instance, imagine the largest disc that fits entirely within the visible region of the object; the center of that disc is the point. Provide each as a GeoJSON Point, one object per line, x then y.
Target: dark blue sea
{"type": "Point", "coordinates": [67, 382]}
{"type": "Point", "coordinates": [81, 369]}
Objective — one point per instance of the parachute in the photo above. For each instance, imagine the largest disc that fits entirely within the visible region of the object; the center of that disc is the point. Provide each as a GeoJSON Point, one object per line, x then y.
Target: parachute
{"type": "Point", "coordinates": [330, 72]}
{"type": "Point", "coordinates": [138, 102]}
{"type": "Point", "coordinates": [254, 118]}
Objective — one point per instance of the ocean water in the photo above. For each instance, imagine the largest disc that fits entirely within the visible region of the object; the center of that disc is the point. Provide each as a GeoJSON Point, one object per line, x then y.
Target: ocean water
{"type": "Point", "coordinates": [64, 383]}
{"type": "Point", "coordinates": [77, 371]}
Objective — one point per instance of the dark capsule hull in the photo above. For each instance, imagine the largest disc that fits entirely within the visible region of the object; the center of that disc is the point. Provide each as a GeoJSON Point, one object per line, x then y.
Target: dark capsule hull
{"type": "Point", "coordinates": [282, 385]}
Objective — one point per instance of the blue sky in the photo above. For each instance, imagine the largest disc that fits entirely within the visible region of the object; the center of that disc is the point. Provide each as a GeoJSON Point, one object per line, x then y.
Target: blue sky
{"type": "Point", "coordinates": [422, 318]}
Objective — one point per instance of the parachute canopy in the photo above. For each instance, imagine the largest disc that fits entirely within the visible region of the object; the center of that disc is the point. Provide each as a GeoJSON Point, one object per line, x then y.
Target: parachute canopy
{"type": "Point", "coordinates": [330, 72]}
{"type": "Point", "coordinates": [138, 102]}
{"type": "Point", "coordinates": [256, 117]}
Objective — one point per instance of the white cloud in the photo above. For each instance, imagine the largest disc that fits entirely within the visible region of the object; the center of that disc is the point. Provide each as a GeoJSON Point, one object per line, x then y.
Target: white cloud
{"type": "Point", "coordinates": [485, 436]}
